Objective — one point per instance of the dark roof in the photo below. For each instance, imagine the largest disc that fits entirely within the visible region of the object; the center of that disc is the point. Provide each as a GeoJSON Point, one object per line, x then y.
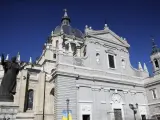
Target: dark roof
{"type": "Point", "coordinates": [67, 28]}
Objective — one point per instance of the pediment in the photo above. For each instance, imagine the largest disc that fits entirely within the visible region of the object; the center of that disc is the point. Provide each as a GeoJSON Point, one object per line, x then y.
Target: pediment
{"type": "Point", "coordinates": [110, 37]}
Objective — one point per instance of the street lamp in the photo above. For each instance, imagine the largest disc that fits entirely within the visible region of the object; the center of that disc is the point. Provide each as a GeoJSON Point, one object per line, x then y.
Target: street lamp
{"type": "Point", "coordinates": [67, 108]}
{"type": "Point", "coordinates": [134, 108]}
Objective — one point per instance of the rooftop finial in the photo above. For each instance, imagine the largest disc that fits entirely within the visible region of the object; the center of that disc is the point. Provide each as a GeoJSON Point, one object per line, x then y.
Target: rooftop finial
{"type": "Point", "coordinates": [65, 13]}
{"type": "Point", "coordinates": [86, 26]}
{"type": "Point", "coordinates": [7, 57]}
{"type": "Point", "coordinates": [140, 66]}
{"type": "Point", "coordinates": [145, 68]}
{"type": "Point", "coordinates": [105, 25]}
{"type": "Point", "coordinates": [18, 57]}
{"type": "Point", "coordinates": [52, 33]}
{"type": "Point", "coordinates": [30, 60]}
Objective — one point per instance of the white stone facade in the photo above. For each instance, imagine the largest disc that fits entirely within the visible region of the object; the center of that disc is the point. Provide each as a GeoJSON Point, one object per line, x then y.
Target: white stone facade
{"type": "Point", "coordinates": [92, 70]}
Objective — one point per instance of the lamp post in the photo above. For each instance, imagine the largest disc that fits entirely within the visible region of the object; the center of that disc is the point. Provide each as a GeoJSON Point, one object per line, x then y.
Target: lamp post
{"type": "Point", "coordinates": [67, 108]}
{"type": "Point", "coordinates": [134, 108]}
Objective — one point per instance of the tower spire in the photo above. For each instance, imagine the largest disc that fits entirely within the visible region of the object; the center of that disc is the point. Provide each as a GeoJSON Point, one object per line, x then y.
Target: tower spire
{"type": "Point", "coordinates": [65, 19]}
{"type": "Point", "coordinates": [153, 43]}
{"type": "Point", "coordinates": [155, 49]}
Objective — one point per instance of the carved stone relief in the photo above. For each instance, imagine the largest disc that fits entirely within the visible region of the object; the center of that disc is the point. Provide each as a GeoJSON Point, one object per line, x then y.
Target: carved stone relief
{"type": "Point", "coordinates": [116, 98]}
{"type": "Point", "coordinates": [86, 109]}
{"type": "Point", "coordinates": [107, 46]}
{"type": "Point", "coordinates": [142, 110]}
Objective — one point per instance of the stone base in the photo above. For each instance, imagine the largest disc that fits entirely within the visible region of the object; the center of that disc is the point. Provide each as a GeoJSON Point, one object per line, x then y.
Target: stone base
{"type": "Point", "coordinates": [6, 98]}
{"type": "Point", "coordinates": [8, 110]}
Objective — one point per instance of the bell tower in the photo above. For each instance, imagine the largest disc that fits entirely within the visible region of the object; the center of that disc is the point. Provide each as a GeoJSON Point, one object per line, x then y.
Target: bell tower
{"type": "Point", "coordinates": [155, 58]}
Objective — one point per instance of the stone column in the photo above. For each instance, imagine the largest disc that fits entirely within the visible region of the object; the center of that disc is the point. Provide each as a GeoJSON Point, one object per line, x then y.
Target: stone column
{"type": "Point", "coordinates": [8, 110]}
{"type": "Point", "coordinates": [78, 51]}
{"type": "Point", "coordinates": [70, 49]}
{"type": "Point", "coordinates": [60, 46]}
{"type": "Point", "coordinates": [23, 87]}
{"type": "Point", "coordinates": [40, 96]}
{"type": "Point", "coordinates": [49, 101]}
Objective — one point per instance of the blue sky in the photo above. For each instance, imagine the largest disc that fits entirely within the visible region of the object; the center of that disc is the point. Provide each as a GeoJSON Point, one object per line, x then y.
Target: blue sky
{"type": "Point", "coordinates": [26, 24]}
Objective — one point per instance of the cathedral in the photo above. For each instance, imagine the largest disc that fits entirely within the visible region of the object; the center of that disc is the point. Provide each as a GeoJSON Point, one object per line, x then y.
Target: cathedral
{"type": "Point", "coordinates": [87, 76]}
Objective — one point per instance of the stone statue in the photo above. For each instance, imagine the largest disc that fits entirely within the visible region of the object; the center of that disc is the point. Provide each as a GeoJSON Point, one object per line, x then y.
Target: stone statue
{"type": "Point", "coordinates": [8, 84]}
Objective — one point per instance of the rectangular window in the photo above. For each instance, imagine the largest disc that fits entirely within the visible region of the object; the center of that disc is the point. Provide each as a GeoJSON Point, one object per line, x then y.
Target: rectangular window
{"type": "Point", "coordinates": [111, 61]}
{"type": "Point", "coordinates": [156, 63]}
{"type": "Point", "coordinates": [54, 56]}
{"type": "Point", "coordinates": [154, 93]}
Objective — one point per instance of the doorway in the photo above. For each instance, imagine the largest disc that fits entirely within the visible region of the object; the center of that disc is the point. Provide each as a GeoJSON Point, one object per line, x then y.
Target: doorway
{"type": "Point", "coordinates": [143, 117]}
{"type": "Point", "coordinates": [85, 117]}
{"type": "Point", "coordinates": [118, 114]}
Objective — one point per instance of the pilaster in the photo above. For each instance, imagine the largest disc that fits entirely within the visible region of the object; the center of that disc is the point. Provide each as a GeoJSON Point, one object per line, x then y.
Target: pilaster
{"type": "Point", "coordinates": [70, 49]}
{"type": "Point", "coordinates": [78, 52]}
{"type": "Point", "coordinates": [23, 88]}
{"type": "Point", "coordinates": [40, 96]}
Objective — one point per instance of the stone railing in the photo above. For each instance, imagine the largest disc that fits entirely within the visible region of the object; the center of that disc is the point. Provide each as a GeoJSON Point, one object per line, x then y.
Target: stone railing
{"type": "Point", "coordinates": [8, 111]}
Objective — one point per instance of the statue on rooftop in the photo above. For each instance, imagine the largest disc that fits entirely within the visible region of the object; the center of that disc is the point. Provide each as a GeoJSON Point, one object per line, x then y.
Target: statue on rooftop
{"type": "Point", "coordinates": [8, 84]}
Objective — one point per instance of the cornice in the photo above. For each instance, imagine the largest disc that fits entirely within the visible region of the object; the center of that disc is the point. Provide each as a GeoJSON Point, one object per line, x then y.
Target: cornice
{"type": "Point", "coordinates": [96, 78]}
{"type": "Point", "coordinates": [94, 70]}
{"type": "Point", "coordinates": [154, 103]}
{"type": "Point", "coordinates": [31, 70]}
{"type": "Point", "coordinates": [152, 83]}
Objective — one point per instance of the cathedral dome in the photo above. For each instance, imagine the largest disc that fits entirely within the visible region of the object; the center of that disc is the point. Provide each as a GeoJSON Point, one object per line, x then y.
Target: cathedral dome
{"type": "Point", "coordinates": [67, 29]}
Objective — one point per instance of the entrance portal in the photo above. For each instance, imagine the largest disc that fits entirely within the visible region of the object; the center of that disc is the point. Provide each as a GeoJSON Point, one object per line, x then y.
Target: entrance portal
{"type": "Point", "coordinates": [117, 114]}
{"type": "Point", "coordinates": [143, 117]}
{"type": "Point", "coordinates": [86, 117]}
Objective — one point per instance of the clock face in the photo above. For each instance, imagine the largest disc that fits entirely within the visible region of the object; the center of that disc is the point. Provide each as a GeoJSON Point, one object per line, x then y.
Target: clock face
{"type": "Point", "coordinates": [116, 98]}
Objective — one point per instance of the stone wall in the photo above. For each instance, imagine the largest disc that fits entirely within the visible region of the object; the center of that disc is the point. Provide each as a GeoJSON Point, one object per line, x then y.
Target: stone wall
{"type": "Point", "coordinates": [65, 88]}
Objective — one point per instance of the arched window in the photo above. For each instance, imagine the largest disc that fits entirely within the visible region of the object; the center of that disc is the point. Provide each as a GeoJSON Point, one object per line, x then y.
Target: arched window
{"type": "Point", "coordinates": [123, 63]}
{"type": "Point", "coordinates": [74, 48]}
{"type": "Point", "coordinates": [85, 50]}
{"type": "Point", "coordinates": [97, 57]}
{"type": "Point", "coordinates": [57, 42]}
{"type": "Point", "coordinates": [29, 100]}
{"type": "Point", "coordinates": [156, 63]}
{"type": "Point", "coordinates": [52, 91]}
{"type": "Point", "coordinates": [66, 46]}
